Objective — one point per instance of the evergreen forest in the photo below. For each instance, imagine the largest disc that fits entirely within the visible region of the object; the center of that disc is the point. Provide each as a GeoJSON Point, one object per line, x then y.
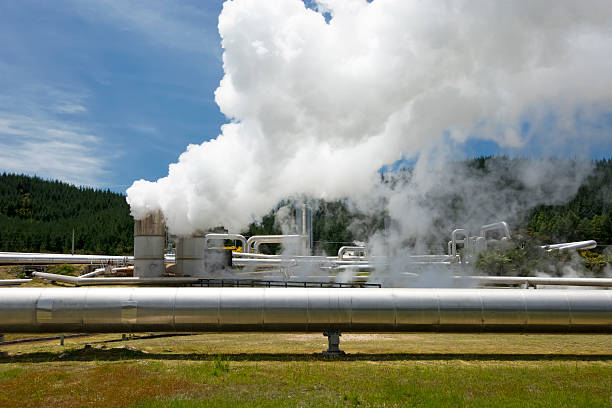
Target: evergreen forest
{"type": "Point", "coordinates": [39, 215]}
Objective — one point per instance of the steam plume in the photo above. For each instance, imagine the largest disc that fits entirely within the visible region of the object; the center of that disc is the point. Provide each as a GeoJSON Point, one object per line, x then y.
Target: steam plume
{"type": "Point", "coordinates": [317, 107]}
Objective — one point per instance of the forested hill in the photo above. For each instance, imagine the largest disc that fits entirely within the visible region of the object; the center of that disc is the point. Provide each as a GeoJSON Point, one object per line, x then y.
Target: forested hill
{"type": "Point", "coordinates": [37, 215]}
{"type": "Point", "coordinates": [587, 216]}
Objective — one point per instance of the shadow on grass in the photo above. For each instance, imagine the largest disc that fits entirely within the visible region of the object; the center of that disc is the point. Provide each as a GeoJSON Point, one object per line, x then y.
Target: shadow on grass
{"type": "Point", "coordinates": [118, 354]}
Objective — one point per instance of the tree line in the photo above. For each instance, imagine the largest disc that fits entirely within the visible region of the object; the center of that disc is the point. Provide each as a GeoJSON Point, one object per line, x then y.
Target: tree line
{"type": "Point", "coordinates": [39, 215]}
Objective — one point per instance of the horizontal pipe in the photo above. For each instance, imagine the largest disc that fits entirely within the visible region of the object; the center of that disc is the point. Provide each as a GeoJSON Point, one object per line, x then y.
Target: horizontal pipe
{"type": "Point", "coordinates": [93, 273]}
{"type": "Point", "coordinates": [256, 240]}
{"type": "Point", "coordinates": [26, 258]}
{"type": "Point", "coordinates": [187, 309]}
{"type": "Point", "coordinates": [233, 237]}
{"type": "Point", "coordinates": [83, 281]}
{"type": "Point", "coordinates": [500, 226]}
{"type": "Point", "coordinates": [514, 280]}
{"type": "Point", "coordinates": [23, 258]}
{"type": "Point", "coordinates": [13, 282]}
{"type": "Point", "coordinates": [582, 245]}
{"type": "Point", "coordinates": [478, 280]}
{"type": "Point", "coordinates": [356, 249]}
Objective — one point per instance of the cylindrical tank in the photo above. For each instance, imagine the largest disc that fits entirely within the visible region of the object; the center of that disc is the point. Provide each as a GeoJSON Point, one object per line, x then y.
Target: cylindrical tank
{"type": "Point", "coordinates": [149, 242]}
{"type": "Point", "coordinates": [95, 310]}
{"type": "Point", "coordinates": [190, 256]}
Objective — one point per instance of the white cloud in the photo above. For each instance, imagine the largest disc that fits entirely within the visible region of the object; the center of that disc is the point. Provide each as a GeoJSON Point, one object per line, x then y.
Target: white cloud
{"type": "Point", "coordinates": [170, 23]}
{"type": "Point", "coordinates": [70, 108]}
{"type": "Point", "coordinates": [42, 130]}
{"type": "Point", "coordinates": [49, 148]}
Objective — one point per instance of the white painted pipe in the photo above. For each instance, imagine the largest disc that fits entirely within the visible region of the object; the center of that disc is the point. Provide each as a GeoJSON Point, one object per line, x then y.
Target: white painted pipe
{"type": "Point", "coordinates": [26, 258]}
{"type": "Point", "coordinates": [255, 241]}
{"type": "Point", "coordinates": [499, 226]}
{"type": "Point", "coordinates": [343, 250]}
{"type": "Point", "coordinates": [13, 282]}
{"type": "Point", "coordinates": [532, 281]}
{"type": "Point", "coordinates": [582, 245]}
{"type": "Point", "coordinates": [232, 237]}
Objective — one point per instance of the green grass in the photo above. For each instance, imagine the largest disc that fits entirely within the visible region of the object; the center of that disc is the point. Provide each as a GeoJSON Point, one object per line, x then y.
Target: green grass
{"type": "Point", "coordinates": [270, 370]}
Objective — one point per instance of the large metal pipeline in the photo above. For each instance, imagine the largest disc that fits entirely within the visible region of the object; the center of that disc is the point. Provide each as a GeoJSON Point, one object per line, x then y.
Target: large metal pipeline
{"type": "Point", "coordinates": [303, 309]}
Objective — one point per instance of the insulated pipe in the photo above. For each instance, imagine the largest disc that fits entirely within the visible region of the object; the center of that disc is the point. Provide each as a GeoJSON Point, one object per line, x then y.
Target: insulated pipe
{"type": "Point", "coordinates": [454, 241]}
{"type": "Point", "coordinates": [257, 240]}
{"type": "Point", "coordinates": [501, 226]}
{"type": "Point", "coordinates": [97, 310]}
{"type": "Point", "coordinates": [93, 273]}
{"type": "Point", "coordinates": [13, 282]}
{"type": "Point", "coordinates": [233, 237]}
{"type": "Point", "coordinates": [532, 281]}
{"type": "Point", "coordinates": [571, 245]}
{"type": "Point", "coordinates": [82, 281]}
{"type": "Point", "coordinates": [26, 258]}
{"type": "Point", "coordinates": [345, 249]}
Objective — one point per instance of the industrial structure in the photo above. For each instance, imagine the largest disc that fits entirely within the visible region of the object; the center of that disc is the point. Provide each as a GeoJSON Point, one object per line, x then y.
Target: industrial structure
{"type": "Point", "coordinates": [296, 291]}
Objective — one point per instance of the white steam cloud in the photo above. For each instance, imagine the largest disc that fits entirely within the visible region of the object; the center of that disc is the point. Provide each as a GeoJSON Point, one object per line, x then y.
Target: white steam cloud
{"type": "Point", "coordinates": [316, 108]}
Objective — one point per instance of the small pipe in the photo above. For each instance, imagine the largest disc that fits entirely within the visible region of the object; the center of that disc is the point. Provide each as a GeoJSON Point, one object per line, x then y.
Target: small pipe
{"type": "Point", "coordinates": [26, 258]}
{"type": "Point", "coordinates": [579, 245]}
{"type": "Point", "coordinates": [345, 249]}
{"type": "Point", "coordinates": [256, 240]}
{"type": "Point", "coordinates": [502, 226]}
{"type": "Point", "coordinates": [454, 241]}
{"type": "Point", "coordinates": [80, 281]}
{"type": "Point", "coordinates": [13, 282]}
{"type": "Point", "coordinates": [95, 272]}
{"type": "Point", "coordinates": [532, 281]}
{"type": "Point", "coordinates": [233, 237]}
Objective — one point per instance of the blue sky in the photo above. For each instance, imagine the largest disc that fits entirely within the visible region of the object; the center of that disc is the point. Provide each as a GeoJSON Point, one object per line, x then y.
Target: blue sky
{"type": "Point", "coordinates": [103, 93]}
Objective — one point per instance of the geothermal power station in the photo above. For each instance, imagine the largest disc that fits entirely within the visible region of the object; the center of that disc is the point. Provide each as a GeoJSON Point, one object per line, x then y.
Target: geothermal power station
{"type": "Point", "coordinates": [206, 285]}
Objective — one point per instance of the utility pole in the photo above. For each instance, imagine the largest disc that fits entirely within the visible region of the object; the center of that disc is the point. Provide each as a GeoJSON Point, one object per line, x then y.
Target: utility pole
{"type": "Point", "coordinates": [73, 241]}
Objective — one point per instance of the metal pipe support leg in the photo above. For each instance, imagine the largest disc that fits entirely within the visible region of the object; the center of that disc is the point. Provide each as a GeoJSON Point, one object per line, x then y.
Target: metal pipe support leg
{"type": "Point", "coordinates": [333, 339]}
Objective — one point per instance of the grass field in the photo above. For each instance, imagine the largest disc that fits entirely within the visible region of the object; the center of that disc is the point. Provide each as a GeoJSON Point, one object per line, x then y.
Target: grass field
{"type": "Point", "coordinates": [288, 370]}
{"type": "Point", "coordinates": [267, 370]}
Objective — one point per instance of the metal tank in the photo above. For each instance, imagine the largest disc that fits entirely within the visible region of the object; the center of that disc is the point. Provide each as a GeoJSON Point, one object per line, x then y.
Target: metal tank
{"type": "Point", "coordinates": [303, 309]}
{"type": "Point", "coordinates": [149, 242]}
{"type": "Point", "coordinates": [189, 256]}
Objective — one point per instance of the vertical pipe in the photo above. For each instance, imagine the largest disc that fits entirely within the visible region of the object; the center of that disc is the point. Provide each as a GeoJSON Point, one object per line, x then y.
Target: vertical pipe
{"type": "Point", "coordinates": [304, 230]}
